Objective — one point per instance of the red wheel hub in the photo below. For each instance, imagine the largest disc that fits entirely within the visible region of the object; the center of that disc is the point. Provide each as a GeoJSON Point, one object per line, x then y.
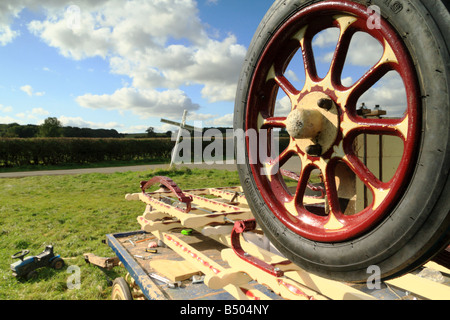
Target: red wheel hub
{"type": "Point", "coordinates": [323, 122]}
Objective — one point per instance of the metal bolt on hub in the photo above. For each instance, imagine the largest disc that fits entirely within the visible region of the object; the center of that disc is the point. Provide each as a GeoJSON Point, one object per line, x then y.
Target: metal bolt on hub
{"type": "Point", "coordinates": [325, 103]}
{"type": "Point", "coordinates": [314, 150]}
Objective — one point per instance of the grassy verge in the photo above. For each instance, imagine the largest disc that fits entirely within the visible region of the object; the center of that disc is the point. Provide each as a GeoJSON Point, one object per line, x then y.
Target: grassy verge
{"type": "Point", "coordinates": [74, 213]}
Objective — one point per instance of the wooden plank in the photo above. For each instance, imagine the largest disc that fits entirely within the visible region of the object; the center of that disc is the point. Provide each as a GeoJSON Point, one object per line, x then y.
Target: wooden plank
{"type": "Point", "coordinates": [212, 204]}
{"type": "Point", "coordinates": [165, 225]}
{"type": "Point", "coordinates": [422, 287]}
{"type": "Point", "coordinates": [332, 289]}
{"type": "Point", "coordinates": [174, 270]}
{"type": "Point", "coordinates": [102, 262]}
{"type": "Point", "coordinates": [438, 267]}
{"type": "Point", "coordinates": [229, 195]}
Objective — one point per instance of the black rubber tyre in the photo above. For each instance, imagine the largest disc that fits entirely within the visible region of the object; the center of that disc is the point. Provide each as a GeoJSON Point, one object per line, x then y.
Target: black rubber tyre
{"type": "Point", "coordinates": [32, 275]}
{"type": "Point", "coordinates": [57, 263]}
{"type": "Point", "coordinates": [418, 226]}
{"type": "Point", "coordinates": [121, 290]}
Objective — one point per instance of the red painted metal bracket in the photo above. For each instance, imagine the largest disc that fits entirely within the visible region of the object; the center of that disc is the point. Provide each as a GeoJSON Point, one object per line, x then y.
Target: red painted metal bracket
{"type": "Point", "coordinates": [172, 186]}
{"type": "Point", "coordinates": [241, 227]}
{"type": "Point", "coordinates": [249, 225]}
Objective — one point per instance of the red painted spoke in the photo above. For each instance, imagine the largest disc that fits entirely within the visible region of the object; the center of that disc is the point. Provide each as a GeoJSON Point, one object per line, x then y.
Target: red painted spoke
{"type": "Point", "coordinates": [384, 126]}
{"type": "Point", "coordinates": [285, 155]}
{"type": "Point", "coordinates": [367, 81]}
{"type": "Point", "coordinates": [363, 173]}
{"type": "Point", "coordinates": [331, 190]}
{"type": "Point", "coordinates": [274, 165]}
{"type": "Point", "coordinates": [340, 55]}
{"type": "Point", "coordinates": [302, 183]}
{"type": "Point", "coordinates": [274, 122]}
{"type": "Point", "coordinates": [308, 59]}
{"type": "Point", "coordinates": [286, 86]}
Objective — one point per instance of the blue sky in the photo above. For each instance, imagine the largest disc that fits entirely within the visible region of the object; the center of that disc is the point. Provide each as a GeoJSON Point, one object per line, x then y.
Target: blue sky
{"type": "Point", "coordinates": [127, 64]}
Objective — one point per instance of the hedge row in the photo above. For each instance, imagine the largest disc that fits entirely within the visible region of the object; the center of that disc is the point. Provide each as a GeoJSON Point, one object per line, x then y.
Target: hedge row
{"type": "Point", "coordinates": [54, 151]}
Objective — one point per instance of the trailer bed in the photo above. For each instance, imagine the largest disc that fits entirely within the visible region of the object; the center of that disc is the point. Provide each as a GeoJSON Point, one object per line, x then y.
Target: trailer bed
{"type": "Point", "coordinates": [139, 269]}
{"type": "Point", "coordinates": [209, 239]}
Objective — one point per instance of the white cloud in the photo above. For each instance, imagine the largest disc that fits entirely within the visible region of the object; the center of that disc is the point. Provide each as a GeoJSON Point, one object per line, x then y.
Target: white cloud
{"type": "Point", "coordinates": [81, 123]}
{"type": "Point", "coordinates": [76, 43]}
{"type": "Point", "coordinates": [8, 11]}
{"type": "Point", "coordinates": [29, 91]}
{"type": "Point", "coordinates": [7, 35]}
{"type": "Point", "coordinates": [39, 111]}
{"type": "Point", "coordinates": [364, 50]}
{"type": "Point", "coordinates": [5, 109]}
{"type": "Point", "coordinates": [157, 44]}
{"type": "Point", "coordinates": [327, 57]}
{"type": "Point", "coordinates": [326, 38]}
{"type": "Point", "coordinates": [144, 103]}
{"type": "Point", "coordinates": [348, 81]}
{"type": "Point", "coordinates": [7, 119]}
{"type": "Point", "coordinates": [224, 121]}
{"type": "Point", "coordinates": [33, 114]}
{"type": "Point", "coordinates": [282, 107]}
{"type": "Point", "coordinates": [215, 65]}
{"type": "Point", "coordinates": [161, 128]}
{"type": "Point", "coordinates": [200, 117]}
{"type": "Point", "coordinates": [389, 93]}
{"type": "Point", "coordinates": [291, 75]}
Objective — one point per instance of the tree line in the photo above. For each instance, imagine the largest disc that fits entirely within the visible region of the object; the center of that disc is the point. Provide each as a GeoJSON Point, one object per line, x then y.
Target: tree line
{"type": "Point", "coordinates": [52, 127]}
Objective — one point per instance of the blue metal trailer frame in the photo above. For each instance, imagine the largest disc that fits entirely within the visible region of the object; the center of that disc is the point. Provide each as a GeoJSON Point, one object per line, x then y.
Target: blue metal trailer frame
{"type": "Point", "coordinates": [150, 289]}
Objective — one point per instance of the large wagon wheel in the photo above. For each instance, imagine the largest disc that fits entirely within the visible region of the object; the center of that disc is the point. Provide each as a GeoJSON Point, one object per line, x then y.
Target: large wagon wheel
{"type": "Point", "coordinates": [405, 221]}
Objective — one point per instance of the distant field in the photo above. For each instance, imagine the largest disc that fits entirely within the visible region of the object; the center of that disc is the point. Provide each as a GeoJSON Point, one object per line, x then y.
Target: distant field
{"type": "Point", "coordinates": [74, 213]}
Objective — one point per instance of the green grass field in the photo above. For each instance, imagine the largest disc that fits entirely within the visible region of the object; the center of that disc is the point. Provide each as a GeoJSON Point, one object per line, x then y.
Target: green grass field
{"type": "Point", "coordinates": [74, 213]}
